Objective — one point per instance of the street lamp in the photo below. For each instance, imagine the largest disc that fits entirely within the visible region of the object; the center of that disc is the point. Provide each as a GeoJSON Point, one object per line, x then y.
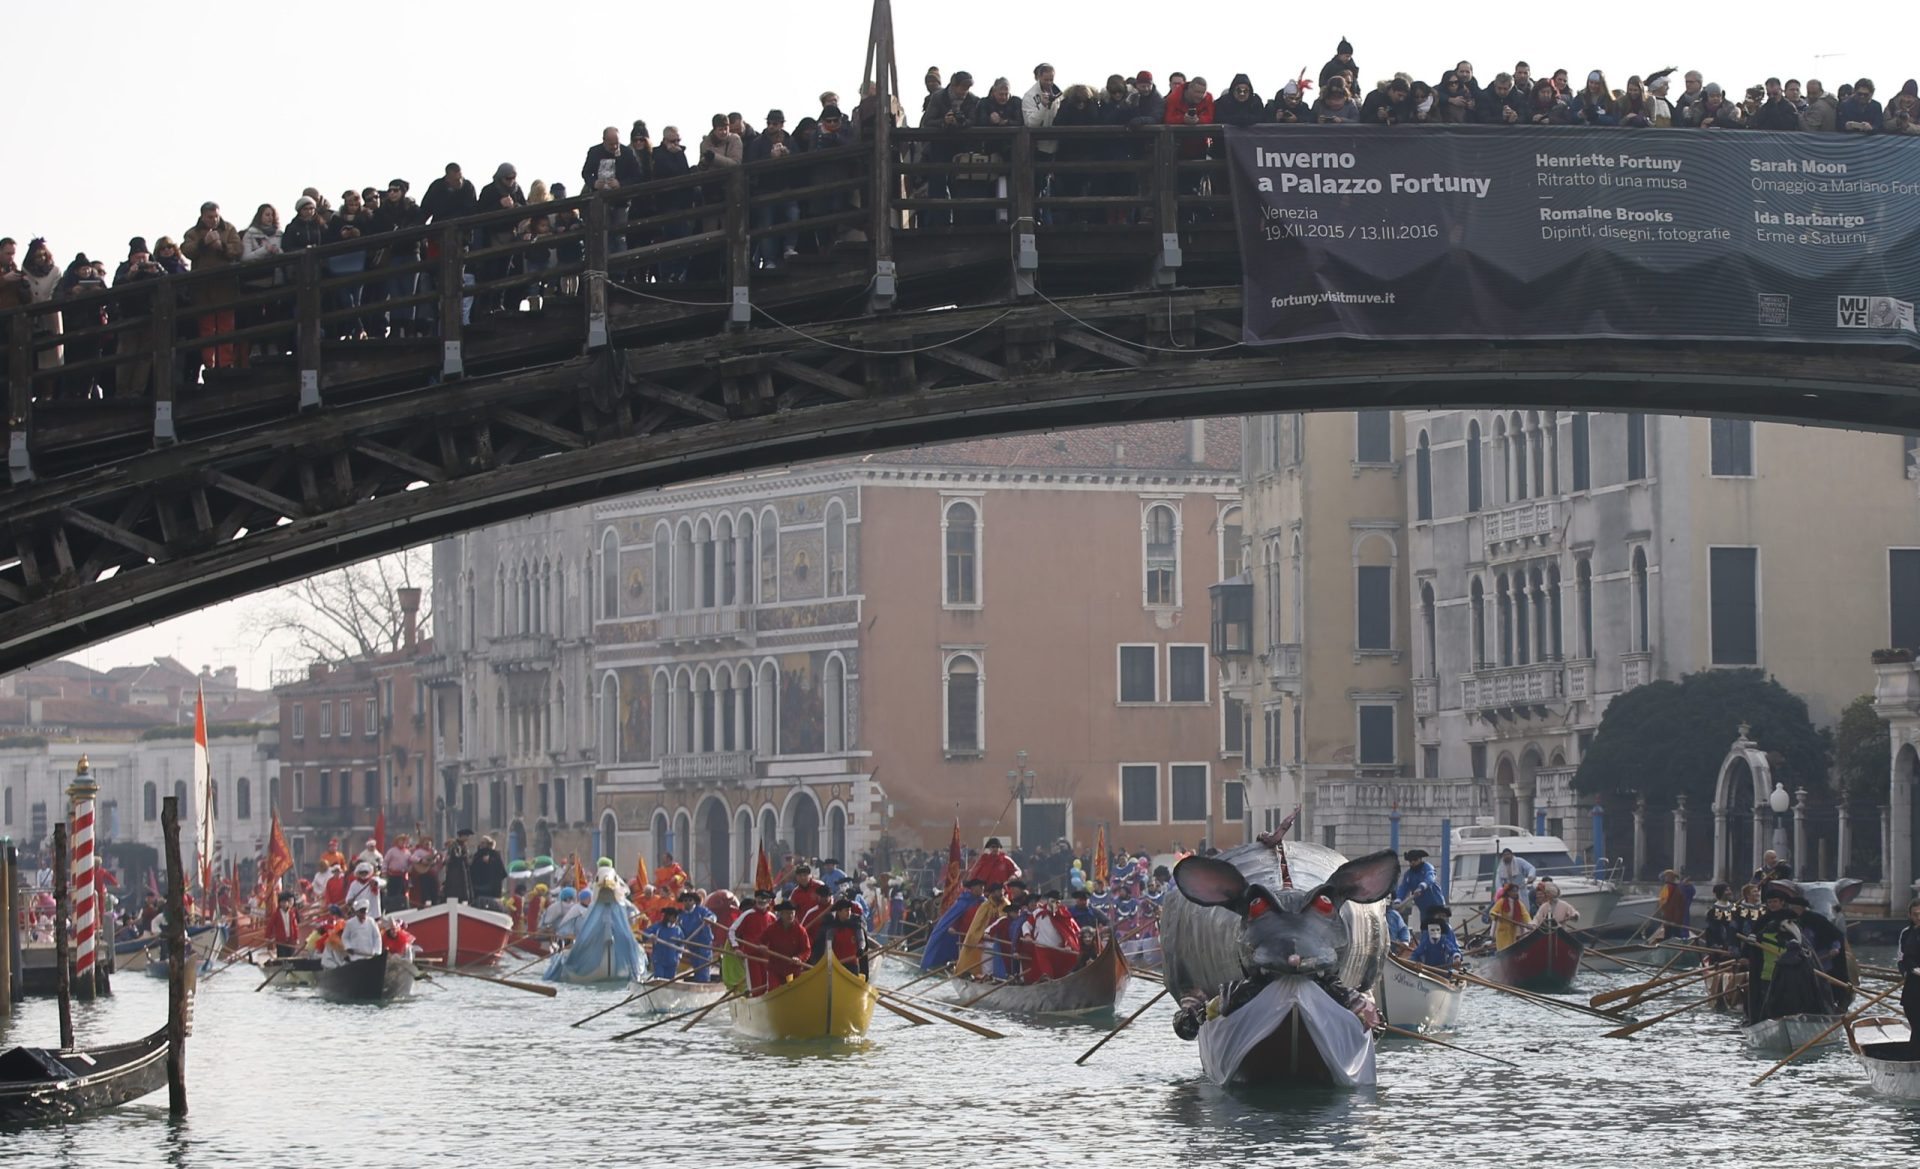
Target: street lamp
{"type": "Point", "coordinates": [1019, 786]}
{"type": "Point", "coordinates": [1779, 801]}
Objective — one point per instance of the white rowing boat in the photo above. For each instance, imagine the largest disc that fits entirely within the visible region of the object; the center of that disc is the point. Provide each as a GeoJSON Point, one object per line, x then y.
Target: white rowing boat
{"type": "Point", "coordinates": [680, 996]}
{"type": "Point", "coordinates": [1788, 1033]}
{"type": "Point", "coordinates": [1885, 1048]}
{"type": "Point", "coordinates": [1416, 1000]}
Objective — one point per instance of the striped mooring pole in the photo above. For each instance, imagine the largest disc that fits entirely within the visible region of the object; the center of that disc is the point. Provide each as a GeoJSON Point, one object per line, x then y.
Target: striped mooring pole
{"type": "Point", "coordinates": [86, 884]}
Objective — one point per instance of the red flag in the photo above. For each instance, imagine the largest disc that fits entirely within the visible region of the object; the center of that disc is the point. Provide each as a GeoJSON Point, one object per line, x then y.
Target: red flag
{"type": "Point", "coordinates": [1100, 856]}
{"type": "Point", "coordinates": [380, 830]}
{"type": "Point", "coordinates": [763, 871]}
{"type": "Point", "coordinates": [279, 858]}
{"type": "Point", "coordinates": [951, 882]}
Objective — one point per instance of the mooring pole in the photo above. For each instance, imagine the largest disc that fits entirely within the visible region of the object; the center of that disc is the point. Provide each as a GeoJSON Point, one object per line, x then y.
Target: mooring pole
{"type": "Point", "coordinates": [176, 960]}
{"type": "Point", "coordinates": [62, 945]}
{"type": "Point", "coordinates": [9, 926]}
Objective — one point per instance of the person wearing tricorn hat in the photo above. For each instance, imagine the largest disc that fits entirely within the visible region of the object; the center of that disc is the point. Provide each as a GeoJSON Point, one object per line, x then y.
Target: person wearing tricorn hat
{"type": "Point", "coordinates": [995, 867]}
{"type": "Point", "coordinates": [788, 946]}
{"type": "Point", "coordinates": [747, 936]}
{"type": "Point", "coordinates": [696, 925]}
{"type": "Point", "coordinates": [664, 938]}
{"type": "Point", "coordinates": [1785, 955]}
{"type": "Point", "coordinates": [1420, 884]}
{"type": "Point", "coordinates": [844, 935]}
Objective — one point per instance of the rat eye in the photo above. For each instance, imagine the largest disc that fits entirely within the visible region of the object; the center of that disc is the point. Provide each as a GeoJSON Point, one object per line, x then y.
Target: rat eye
{"type": "Point", "coordinates": [1322, 904]}
{"type": "Point", "coordinates": [1258, 908]}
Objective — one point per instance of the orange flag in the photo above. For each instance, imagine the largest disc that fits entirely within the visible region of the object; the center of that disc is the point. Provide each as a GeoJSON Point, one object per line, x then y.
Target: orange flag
{"type": "Point", "coordinates": [1100, 856]}
{"type": "Point", "coordinates": [380, 830]}
{"type": "Point", "coordinates": [950, 883]}
{"type": "Point", "coordinates": [763, 871]}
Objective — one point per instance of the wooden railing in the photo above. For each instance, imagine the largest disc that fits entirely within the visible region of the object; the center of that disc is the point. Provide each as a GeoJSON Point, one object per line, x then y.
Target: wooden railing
{"type": "Point", "coordinates": [284, 332]}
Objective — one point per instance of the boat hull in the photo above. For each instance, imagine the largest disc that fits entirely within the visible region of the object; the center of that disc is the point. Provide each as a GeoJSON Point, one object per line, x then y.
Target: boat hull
{"type": "Point", "coordinates": [1291, 1033]}
{"type": "Point", "coordinates": [37, 1084]}
{"type": "Point", "coordinates": [681, 996]}
{"type": "Point", "coordinates": [1659, 956]}
{"type": "Point", "coordinates": [457, 933]}
{"type": "Point", "coordinates": [141, 954]}
{"type": "Point", "coordinates": [379, 979]}
{"type": "Point", "coordinates": [298, 971]}
{"type": "Point", "coordinates": [1887, 1053]}
{"type": "Point", "coordinates": [1088, 992]}
{"type": "Point", "coordinates": [1545, 960]}
{"type": "Point", "coordinates": [1414, 1000]}
{"type": "Point", "coordinates": [1787, 1034]}
{"type": "Point", "coordinates": [827, 1001]}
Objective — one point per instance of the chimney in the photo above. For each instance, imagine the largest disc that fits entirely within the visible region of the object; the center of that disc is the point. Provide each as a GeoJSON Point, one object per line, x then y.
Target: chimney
{"type": "Point", "coordinates": [317, 671]}
{"type": "Point", "coordinates": [1197, 441]}
{"type": "Point", "coordinates": [410, 606]}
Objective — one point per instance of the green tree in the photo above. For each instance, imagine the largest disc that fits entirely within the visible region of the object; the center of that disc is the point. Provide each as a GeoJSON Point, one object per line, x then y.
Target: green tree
{"type": "Point", "coordinates": [1861, 748]}
{"type": "Point", "coordinates": [1667, 739]}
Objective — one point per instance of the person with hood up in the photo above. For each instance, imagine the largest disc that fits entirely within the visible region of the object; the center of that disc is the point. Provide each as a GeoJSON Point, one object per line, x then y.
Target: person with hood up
{"type": "Point", "coordinates": [1593, 104]}
{"type": "Point", "coordinates": [1240, 105]}
{"type": "Point", "coordinates": [1437, 946]}
{"type": "Point", "coordinates": [1340, 62]}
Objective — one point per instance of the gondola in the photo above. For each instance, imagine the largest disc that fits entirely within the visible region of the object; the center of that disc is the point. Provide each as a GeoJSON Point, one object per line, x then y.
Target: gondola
{"type": "Point", "coordinates": [381, 978]}
{"type": "Point", "coordinates": [1543, 960]}
{"type": "Point", "coordinates": [1089, 991]}
{"type": "Point", "coordinates": [1292, 1032]}
{"type": "Point", "coordinates": [38, 1083]}
{"type": "Point", "coordinates": [142, 953]}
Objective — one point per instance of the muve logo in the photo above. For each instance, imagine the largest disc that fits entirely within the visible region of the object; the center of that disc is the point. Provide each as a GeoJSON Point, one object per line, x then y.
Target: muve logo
{"type": "Point", "coordinates": [1853, 312]}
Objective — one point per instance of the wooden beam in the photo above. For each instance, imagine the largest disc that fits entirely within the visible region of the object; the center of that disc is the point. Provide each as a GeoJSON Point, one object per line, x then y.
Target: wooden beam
{"type": "Point", "coordinates": [527, 424]}
{"type": "Point", "coordinates": [417, 467]}
{"type": "Point", "coordinates": [113, 532]}
{"type": "Point", "coordinates": [273, 501]}
{"type": "Point", "coordinates": [686, 403]}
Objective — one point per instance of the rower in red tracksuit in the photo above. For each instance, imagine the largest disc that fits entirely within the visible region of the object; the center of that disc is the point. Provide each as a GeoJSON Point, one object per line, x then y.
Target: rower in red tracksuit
{"type": "Point", "coordinates": [844, 934]}
{"type": "Point", "coordinates": [788, 946]}
{"type": "Point", "coordinates": [994, 866]}
{"type": "Point", "coordinates": [283, 926]}
{"type": "Point", "coordinates": [749, 936]}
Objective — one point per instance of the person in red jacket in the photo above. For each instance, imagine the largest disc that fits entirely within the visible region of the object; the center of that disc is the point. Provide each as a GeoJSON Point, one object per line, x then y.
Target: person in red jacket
{"type": "Point", "coordinates": [748, 935]}
{"type": "Point", "coordinates": [994, 866]}
{"type": "Point", "coordinates": [336, 888]}
{"type": "Point", "coordinates": [283, 926]}
{"type": "Point", "coordinates": [844, 935]}
{"type": "Point", "coordinates": [787, 946]}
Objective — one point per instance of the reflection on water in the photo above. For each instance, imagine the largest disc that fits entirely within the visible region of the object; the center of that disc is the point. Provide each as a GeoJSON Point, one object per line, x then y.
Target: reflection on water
{"type": "Point", "coordinates": [496, 1076]}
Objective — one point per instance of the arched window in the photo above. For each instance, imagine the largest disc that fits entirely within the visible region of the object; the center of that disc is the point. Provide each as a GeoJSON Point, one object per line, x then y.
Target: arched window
{"type": "Point", "coordinates": [729, 569]}
{"type": "Point", "coordinates": [150, 802]}
{"type": "Point", "coordinates": [1555, 638]}
{"type": "Point", "coordinates": [560, 799]}
{"type": "Point", "coordinates": [1504, 606]}
{"type": "Point", "coordinates": [1162, 530]}
{"type": "Point", "coordinates": [836, 549]}
{"type": "Point", "coordinates": [748, 560]}
{"type": "Point", "coordinates": [1636, 446]}
{"type": "Point", "coordinates": [964, 703]}
{"type": "Point", "coordinates": [1642, 621]}
{"type": "Point", "coordinates": [1473, 465]}
{"type": "Point", "coordinates": [1582, 462]}
{"type": "Point", "coordinates": [525, 599]}
{"type": "Point", "coordinates": [1583, 601]}
{"type": "Point", "coordinates": [703, 563]}
{"type": "Point", "coordinates": [685, 573]}
{"type": "Point", "coordinates": [662, 838]}
{"type": "Point", "coordinates": [243, 798]}
{"type": "Point", "coordinates": [749, 727]}
{"type": "Point", "coordinates": [1517, 439]}
{"type": "Point", "coordinates": [180, 797]}
{"type": "Point", "coordinates": [1428, 639]}
{"type": "Point", "coordinates": [1552, 424]}
{"type": "Point", "coordinates": [1539, 440]}
{"type": "Point", "coordinates": [1423, 479]}
{"type": "Point", "coordinates": [610, 575]}
{"type": "Point", "coordinates": [1477, 605]}
{"type": "Point", "coordinates": [662, 714]}
{"type": "Point", "coordinates": [769, 557]}
{"type": "Point", "coordinates": [609, 836]}
{"type": "Point", "coordinates": [683, 721]}
{"type": "Point", "coordinates": [609, 719]}
{"type": "Point", "coordinates": [1520, 620]}
{"type": "Point", "coordinates": [1233, 557]}
{"type": "Point", "coordinates": [662, 568]}
{"type": "Point", "coordinates": [962, 540]}
{"type": "Point", "coordinates": [705, 720]}
{"type": "Point", "coordinates": [766, 731]}
{"type": "Point", "coordinates": [836, 705]}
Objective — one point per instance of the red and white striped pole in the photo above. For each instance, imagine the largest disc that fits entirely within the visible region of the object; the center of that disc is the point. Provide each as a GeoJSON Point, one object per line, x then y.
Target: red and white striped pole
{"type": "Point", "coordinates": [85, 883]}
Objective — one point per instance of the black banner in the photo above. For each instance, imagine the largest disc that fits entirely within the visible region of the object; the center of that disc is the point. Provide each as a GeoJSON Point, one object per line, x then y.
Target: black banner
{"type": "Point", "coordinates": [1490, 233]}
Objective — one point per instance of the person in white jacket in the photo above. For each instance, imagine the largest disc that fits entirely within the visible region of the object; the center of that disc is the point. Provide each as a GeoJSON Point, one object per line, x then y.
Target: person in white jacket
{"type": "Point", "coordinates": [1039, 106]}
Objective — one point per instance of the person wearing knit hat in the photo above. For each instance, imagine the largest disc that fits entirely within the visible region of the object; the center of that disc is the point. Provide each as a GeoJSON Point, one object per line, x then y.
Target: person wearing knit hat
{"type": "Point", "coordinates": [1341, 62]}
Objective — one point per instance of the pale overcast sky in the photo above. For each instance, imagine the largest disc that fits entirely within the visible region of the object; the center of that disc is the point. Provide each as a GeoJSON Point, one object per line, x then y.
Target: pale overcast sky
{"type": "Point", "coordinates": [133, 113]}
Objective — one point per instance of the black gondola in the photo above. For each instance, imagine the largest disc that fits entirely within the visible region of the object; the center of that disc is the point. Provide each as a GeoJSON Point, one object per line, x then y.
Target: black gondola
{"type": "Point", "coordinates": [367, 980]}
{"type": "Point", "coordinates": [38, 1083]}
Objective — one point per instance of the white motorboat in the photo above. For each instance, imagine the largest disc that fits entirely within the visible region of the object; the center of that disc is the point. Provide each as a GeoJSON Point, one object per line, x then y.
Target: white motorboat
{"type": "Point", "coordinates": [1476, 857]}
{"type": "Point", "coordinates": [1885, 1048]}
{"type": "Point", "coordinates": [1417, 1000]}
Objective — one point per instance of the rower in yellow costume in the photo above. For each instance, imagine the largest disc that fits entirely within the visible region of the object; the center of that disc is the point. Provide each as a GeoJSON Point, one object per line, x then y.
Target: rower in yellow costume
{"type": "Point", "coordinates": [1509, 915]}
{"type": "Point", "coordinates": [974, 960]}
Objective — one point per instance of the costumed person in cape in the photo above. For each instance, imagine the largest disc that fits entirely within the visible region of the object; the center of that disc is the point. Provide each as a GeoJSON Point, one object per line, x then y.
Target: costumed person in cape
{"type": "Point", "coordinates": [283, 926]}
{"type": "Point", "coordinates": [943, 944]}
{"type": "Point", "coordinates": [843, 934]}
{"type": "Point", "coordinates": [1509, 916]}
{"type": "Point", "coordinates": [1785, 955]}
{"type": "Point", "coordinates": [604, 948]}
{"type": "Point", "coordinates": [788, 946]}
{"type": "Point", "coordinates": [746, 935]}
{"type": "Point", "coordinates": [1437, 946]}
{"type": "Point", "coordinates": [974, 958]}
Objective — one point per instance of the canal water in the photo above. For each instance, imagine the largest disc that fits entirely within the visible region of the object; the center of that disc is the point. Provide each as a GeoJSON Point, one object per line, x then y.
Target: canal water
{"type": "Point", "coordinates": [471, 1073]}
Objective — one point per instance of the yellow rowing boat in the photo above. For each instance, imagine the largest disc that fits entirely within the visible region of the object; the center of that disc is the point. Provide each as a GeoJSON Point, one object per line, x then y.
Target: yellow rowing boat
{"type": "Point", "coordinates": [827, 1001]}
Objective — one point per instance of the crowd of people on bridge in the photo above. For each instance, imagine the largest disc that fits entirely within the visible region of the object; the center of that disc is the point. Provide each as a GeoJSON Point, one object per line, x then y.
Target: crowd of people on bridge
{"type": "Point", "coordinates": [1334, 95]}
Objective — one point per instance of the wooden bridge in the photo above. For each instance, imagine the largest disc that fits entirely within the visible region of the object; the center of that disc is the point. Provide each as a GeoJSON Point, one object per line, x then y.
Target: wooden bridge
{"type": "Point", "coordinates": [947, 298]}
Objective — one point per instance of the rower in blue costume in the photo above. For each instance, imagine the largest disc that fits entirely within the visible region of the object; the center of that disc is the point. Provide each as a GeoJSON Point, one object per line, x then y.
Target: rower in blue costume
{"type": "Point", "coordinates": [1399, 937]}
{"type": "Point", "coordinates": [1420, 884]}
{"type": "Point", "coordinates": [664, 957]}
{"type": "Point", "coordinates": [696, 927]}
{"type": "Point", "coordinates": [1437, 946]}
{"type": "Point", "coordinates": [943, 944]}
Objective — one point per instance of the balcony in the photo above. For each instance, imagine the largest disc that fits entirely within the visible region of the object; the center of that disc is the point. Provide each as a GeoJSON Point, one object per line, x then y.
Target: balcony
{"type": "Point", "coordinates": [731, 624]}
{"type": "Point", "coordinates": [1426, 696]}
{"type": "Point", "coordinates": [707, 767]}
{"type": "Point", "coordinates": [1522, 529]}
{"type": "Point", "coordinates": [441, 669]}
{"type": "Point", "coordinates": [1284, 664]}
{"type": "Point", "coordinates": [520, 652]}
{"type": "Point", "coordinates": [1636, 669]}
{"type": "Point", "coordinates": [1580, 678]}
{"type": "Point", "coordinates": [1896, 686]}
{"type": "Point", "coordinates": [1514, 690]}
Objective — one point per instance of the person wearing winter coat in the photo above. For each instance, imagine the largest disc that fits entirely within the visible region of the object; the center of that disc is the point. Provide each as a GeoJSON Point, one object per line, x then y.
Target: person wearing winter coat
{"type": "Point", "coordinates": [1501, 104]}
{"type": "Point", "coordinates": [42, 282]}
{"type": "Point", "coordinates": [1390, 105]}
{"type": "Point", "coordinates": [1545, 108]}
{"type": "Point", "coordinates": [1040, 105]}
{"type": "Point", "coordinates": [1902, 115]}
{"type": "Point", "coordinates": [261, 240]}
{"type": "Point", "coordinates": [953, 108]}
{"type": "Point", "coordinates": [503, 192]}
{"type": "Point", "coordinates": [399, 213]}
{"type": "Point", "coordinates": [1335, 107]}
{"type": "Point", "coordinates": [1195, 107]}
{"type": "Point", "coordinates": [1822, 115]}
{"type": "Point", "coordinates": [212, 244]}
{"type": "Point", "coordinates": [1593, 104]}
{"type": "Point", "coordinates": [1078, 107]}
{"type": "Point", "coordinates": [1148, 105]}
{"type": "Point", "coordinates": [1860, 114]}
{"type": "Point", "coordinates": [1340, 62]}
{"type": "Point", "coordinates": [1780, 113]}
{"type": "Point", "coordinates": [1240, 105]}
{"type": "Point", "coordinates": [1288, 107]}
{"type": "Point", "coordinates": [1713, 111]}
{"type": "Point", "coordinates": [1453, 105]}
{"type": "Point", "coordinates": [452, 197]}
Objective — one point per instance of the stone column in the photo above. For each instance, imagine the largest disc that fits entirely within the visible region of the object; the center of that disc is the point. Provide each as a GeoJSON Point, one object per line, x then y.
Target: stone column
{"type": "Point", "coordinates": [1761, 831]}
{"type": "Point", "coordinates": [1680, 834]}
{"type": "Point", "coordinates": [1722, 829]}
{"type": "Point", "coordinates": [1639, 864]}
{"type": "Point", "coordinates": [1802, 867]}
{"type": "Point", "coordinates": [1898, 818]}
{"type": "Point", "coordinates": [1843, 838]}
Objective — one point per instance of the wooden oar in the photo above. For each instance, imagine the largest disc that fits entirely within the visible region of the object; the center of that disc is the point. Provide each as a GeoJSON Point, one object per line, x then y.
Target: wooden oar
{"type": "Point", "coordinates": [529, 987]}
{"type": "Point", "coordinates": [1405, 1034]}
{"type": "Point", "coordinates": [1632, 1028]}
{"type": "Point", "coordinates": [1811, 1043]}
{"type": "Point", "coordinates": [665, 1021]}
{"type": "Point", "coordinates": [1694, 978]}
{"type": "Point", "coordinates": [904, 1013]}
{"type": "Point", "coordinates": [644, 992]}
{"type": "Point", "coordinates": [977, 1029]}
{"type": "Point", "coordinates": [1523, 995]}
{"type": "Point", "coordinates": [1626, 992]}
{"type": "Point", "coordinates": [277, 973]}
{"type": "Point", "coordinates": [1124, 1023]}
{"type": "Point", "coordinates": [732, 994]}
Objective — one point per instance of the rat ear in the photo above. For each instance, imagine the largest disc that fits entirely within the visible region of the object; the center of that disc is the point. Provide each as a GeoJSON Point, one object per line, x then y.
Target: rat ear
{"type": "Point", "coordinates": [1370, 878]}
{"type": "Point", "coordinates": [1207, 881]}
